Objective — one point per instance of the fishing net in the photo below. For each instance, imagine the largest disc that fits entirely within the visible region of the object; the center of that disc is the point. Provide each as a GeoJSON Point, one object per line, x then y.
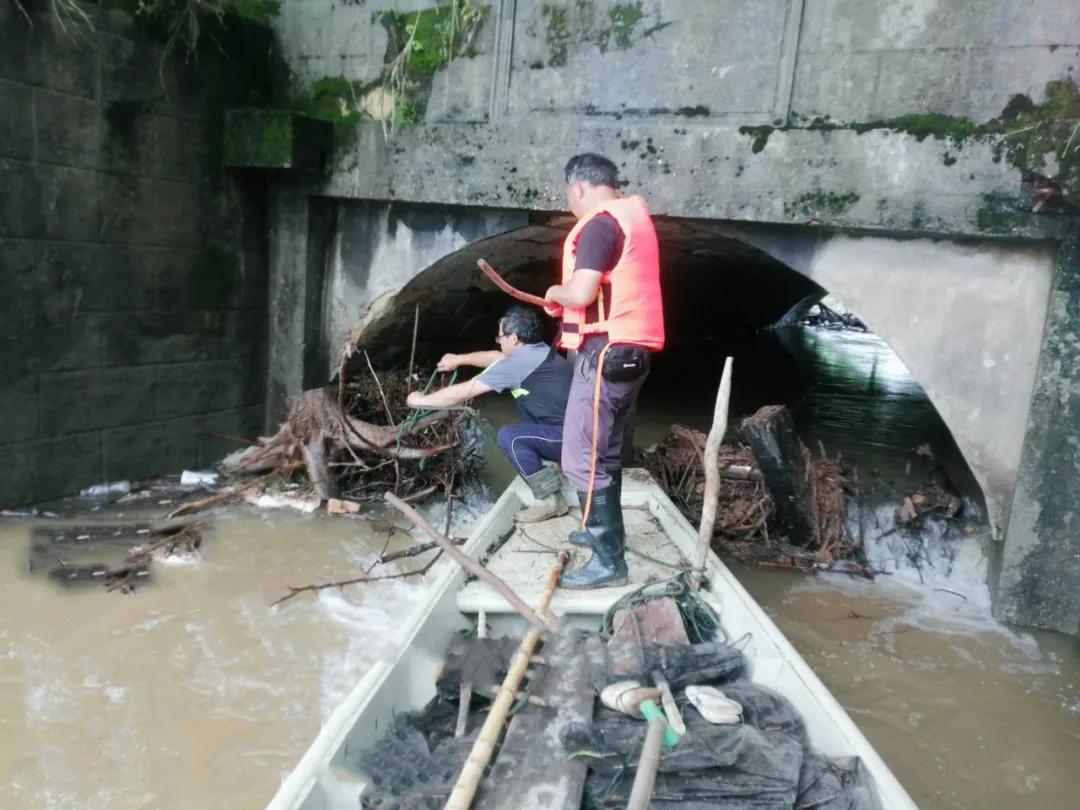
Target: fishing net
{"type": "Point", "coordinates": [735, 766]}
{"type": "Point", "coordinates": [415, 764]}
{"type": "Point", "coordinates": [681, 664]}
{"type": "Point", "coordinates": [835, 784]}
{"type": "Point", "coordinates": [702, 623]}
{"type": "Point", "coordinates": [766, 710]}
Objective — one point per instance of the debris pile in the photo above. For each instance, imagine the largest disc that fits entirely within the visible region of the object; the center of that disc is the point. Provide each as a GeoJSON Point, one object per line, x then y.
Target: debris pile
{"type": "Point", "coordinates": [778, 506]}
{"type": "Point", "coordinates": [361, 440]}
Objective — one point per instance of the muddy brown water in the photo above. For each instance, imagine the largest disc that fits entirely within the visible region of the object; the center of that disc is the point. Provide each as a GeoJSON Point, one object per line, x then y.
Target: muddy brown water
{"type": "Point", "coordinates": [193, 693]}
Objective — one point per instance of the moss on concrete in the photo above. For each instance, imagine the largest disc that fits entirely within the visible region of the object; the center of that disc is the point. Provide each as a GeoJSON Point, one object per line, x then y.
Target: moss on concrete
{"type": "Point", "coordinates": [820, 203]}
{"type": "Point", "coordinates": [1045, 138]}
{"type": "Point", "coordinates": [557, 33]}
{"type": "Point", "coordinates": [759, 136]}
{"type": "Point", "coordinates": [624, 18]}
{"type": "Point", "coordinates": [1042, 138]}
{"type": "Point", "coordinates": [427, 41]}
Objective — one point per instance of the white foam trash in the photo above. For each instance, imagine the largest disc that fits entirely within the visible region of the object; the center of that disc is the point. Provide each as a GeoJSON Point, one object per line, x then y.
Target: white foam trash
{"type": "Point", "coordinates": [714, 705]}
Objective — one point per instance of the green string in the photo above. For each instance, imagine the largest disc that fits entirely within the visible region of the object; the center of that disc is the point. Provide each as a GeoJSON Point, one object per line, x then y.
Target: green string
{"type": "Point", "coordinates": [417, 414]}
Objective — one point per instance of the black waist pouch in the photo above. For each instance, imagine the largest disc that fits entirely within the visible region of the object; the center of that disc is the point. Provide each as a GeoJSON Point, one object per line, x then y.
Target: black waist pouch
{"type": "Point", "coordinates": [625, 363]}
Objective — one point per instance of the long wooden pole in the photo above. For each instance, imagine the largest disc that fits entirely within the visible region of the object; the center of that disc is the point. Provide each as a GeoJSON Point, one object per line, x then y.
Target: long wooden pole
{"type": "Point", "coordinates": [648, 763]}
{"type": "Point", "coordinates": [469, 564]}
{"type": "Point", "coordinates": [484, 748]}
{"type": "Point", "coordinates": [712, 471]}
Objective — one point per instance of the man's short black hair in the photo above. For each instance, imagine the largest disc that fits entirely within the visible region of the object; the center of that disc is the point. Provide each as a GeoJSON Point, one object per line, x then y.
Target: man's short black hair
{"type": "Point", "coordinates": [524, 322]}
{"type": "Point", "coordinates": [596, 170]}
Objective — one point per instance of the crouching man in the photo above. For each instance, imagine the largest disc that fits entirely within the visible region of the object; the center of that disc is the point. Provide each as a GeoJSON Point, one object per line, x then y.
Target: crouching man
{"type": "Point", "coordinates": [538, 378]}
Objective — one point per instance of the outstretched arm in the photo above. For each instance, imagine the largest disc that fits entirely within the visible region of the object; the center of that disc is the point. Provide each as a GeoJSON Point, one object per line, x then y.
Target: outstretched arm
{"type": "Point", "coordinates": [448, 397]}
{"type": "Point", "coordinates": [482, 359]}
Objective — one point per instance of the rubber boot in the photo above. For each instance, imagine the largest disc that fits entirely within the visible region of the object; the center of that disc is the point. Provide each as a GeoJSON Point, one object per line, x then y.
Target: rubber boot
{"type": "Point", "coordinates": [581, 537]}
{"type": "Point", "coordinates": [607, 565]}
{"type": "Point", "coordinates": [545, 485]}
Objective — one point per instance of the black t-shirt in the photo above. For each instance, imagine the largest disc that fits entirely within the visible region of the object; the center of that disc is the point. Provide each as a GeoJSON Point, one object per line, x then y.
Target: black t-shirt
{"type": "Point", "coordinates": [600, 244]}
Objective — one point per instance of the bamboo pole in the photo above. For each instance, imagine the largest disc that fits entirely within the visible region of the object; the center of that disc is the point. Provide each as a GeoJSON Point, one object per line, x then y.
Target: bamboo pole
{"type": "Point", "coordinates": [484, 748]}
{"type": "Point", "coordinates": [712, 471]}
{"type": "Point", "coordinates": [469, 564]}
{"type": "Point", "coordinates": [648, 763]}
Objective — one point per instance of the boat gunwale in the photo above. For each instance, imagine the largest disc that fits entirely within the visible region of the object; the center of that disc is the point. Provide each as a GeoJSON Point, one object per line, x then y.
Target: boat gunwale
{"type": "Point", "coordinates": [302, 783]}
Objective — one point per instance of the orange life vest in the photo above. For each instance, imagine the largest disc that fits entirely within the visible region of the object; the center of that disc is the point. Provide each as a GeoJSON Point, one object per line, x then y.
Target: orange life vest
{"type": "Point", "coordinates": [628, 308]}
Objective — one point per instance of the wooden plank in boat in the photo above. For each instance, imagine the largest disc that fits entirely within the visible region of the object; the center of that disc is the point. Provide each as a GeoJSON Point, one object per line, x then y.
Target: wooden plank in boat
{"type": "Point", "coordinates": [533, 771]}
{"type": "Point", "coordinates": [525, 558]}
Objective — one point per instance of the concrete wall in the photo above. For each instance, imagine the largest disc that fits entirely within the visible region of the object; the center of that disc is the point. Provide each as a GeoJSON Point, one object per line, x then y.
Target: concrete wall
{"type": "Point", "coordinates": [134, 305]}
{"type": "Point", "coordinates": [872, 118]}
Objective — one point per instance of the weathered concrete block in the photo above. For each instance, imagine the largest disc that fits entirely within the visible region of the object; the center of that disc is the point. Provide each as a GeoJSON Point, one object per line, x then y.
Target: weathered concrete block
{"type": "Point", "coordinates": [103, 277]}
{"type": "Point", "coordinates": [73, 345]}
{"type": "Point", "coordinates": [128, 138]}
{"type": "Point", "coordinates": [141, 451]}
{"type": "Point", "coordinates": [77, 401]}
{"type": "Point", "coordinates": [254, 280]}
{"type": "Point", "coordinates": [182, 389]}
{"type": "Point", "coordinates": [20, 267]}
{"type": "Point", "coordinates": [130, 70]}
{"type": "Point", "coordinates": [245, 334]}
{"type": "Point", "coordinates": [69, 200]}
{"type": "Point", "coordinates": [16, 120]}
{"type": "Point", "coordinates": [245, 423]}
{"type": "Point", "coordinates": [176, 214]}
{"type": "Point", "coordinates": [127, 208]}
{"type": "Point", "coordinates": [21, 212]}
{"type": "Point", "coordinates": [18, 410]}
{"type": "Point", "coordinates": [143, 211]}
{"type": "Point", "coordinates": [178, 149]}
{"type": "Point", "coordinates": [49, 469]}
{"type": "Point", "coordinates": [257, 138]}
{"type": "Point", "coordinates": [208, 278]}
{"type": "Point", "coordinates": [43, 53]}
{"type": "Point", "coordinates": [68, 129]}
{"type": "Point", "coordinates": [165, 337]}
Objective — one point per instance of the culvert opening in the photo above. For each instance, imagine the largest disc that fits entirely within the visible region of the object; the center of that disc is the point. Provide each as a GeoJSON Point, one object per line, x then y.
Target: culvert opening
{"type": "Point", "coordinates": [847, 391]}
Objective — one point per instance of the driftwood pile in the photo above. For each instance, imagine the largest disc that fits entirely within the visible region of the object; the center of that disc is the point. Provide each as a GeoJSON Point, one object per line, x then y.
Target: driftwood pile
{"type": "Point", "coordinates": [360, 440]}
{"type": "Point", "coordinates": [777, 505]}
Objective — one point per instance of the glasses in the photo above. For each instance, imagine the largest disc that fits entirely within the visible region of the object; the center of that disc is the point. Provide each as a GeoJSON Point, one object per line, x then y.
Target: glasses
{"type": "Point", "coordinates": [500, 336]}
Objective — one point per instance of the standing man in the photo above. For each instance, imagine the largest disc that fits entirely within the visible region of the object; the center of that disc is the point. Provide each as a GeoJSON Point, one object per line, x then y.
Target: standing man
{"type": "Point", "coordinates": [538, 378]}
{"type": "Point", "coordinates": [613, 318]}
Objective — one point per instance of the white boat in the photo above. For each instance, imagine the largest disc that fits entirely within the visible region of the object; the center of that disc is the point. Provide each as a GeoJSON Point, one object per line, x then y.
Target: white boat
{"type": "Point", "coordinates": [659, 538]}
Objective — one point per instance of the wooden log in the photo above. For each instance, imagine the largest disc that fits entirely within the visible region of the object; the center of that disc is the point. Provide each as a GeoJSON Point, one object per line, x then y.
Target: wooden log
{"type": "Point", "coordinates": [785, 468]}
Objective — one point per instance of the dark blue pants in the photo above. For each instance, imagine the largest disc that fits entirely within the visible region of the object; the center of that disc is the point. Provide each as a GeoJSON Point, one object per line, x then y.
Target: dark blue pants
{"type": "Point", "coordinates": [528, 445]}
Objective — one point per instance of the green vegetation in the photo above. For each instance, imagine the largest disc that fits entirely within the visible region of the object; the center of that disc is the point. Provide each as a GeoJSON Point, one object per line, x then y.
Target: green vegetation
{"type": "Point", "coordinates": [259, 137]}
{"type": "Point", "coordinates": [558, 34]}
{"type": "Point", "coordinates": [420, 44]}
{"type": "Point", "coordinates": [1043, 138]}
{"type": "Point", "coordinates": [624, 16]}
{"type": "Point", "coordinates": [821, 203]}
{"type": "Point", "coordinates": [566, 26]}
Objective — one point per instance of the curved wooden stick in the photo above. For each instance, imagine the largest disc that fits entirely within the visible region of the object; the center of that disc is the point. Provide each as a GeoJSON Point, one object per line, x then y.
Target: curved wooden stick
{"type": "Point", "coordinates": [469, 564]}
{"type": "Point", "coordinates": [712, 470]}
{"type": "Point", "coordinates": [507, 287]}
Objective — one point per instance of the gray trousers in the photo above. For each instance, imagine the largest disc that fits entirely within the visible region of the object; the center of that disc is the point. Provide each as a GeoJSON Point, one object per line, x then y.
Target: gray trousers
{"type": "Point", "coordinates": [616, 408]}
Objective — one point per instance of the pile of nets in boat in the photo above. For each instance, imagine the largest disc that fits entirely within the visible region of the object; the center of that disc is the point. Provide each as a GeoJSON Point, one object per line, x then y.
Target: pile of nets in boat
{"type": "Point", "coordinates": [763, 763]}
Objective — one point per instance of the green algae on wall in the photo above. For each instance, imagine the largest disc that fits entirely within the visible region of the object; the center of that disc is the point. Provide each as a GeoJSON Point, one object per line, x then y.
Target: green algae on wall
{"type": "Point", "coordinates": [565, 26]}
{"type": "Point", "coordinates": [821, 204]}
{"type": "Point", "coordinates": [420, 44]}
{"type": "Point", "coordinates": [1042, 138]}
